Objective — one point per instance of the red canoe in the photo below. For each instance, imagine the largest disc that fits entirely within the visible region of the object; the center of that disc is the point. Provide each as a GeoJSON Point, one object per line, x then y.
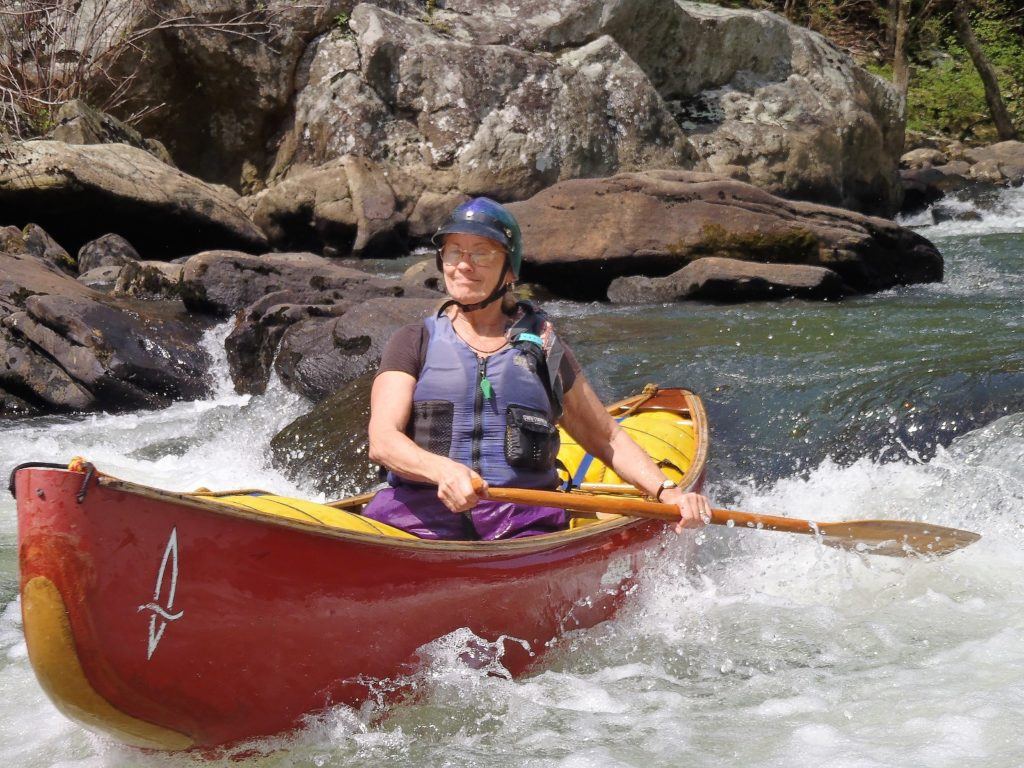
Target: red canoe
{"type": "Point", "coordinates": [175, 621]}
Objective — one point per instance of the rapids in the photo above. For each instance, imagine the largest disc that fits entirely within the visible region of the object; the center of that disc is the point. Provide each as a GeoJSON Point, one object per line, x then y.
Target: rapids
{"type": "Point", "coordinates": [751, 649]}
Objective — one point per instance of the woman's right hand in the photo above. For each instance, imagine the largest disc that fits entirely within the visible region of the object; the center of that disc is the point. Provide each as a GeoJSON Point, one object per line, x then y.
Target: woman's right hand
{"type": "Point", "coordinates": [455, 486]}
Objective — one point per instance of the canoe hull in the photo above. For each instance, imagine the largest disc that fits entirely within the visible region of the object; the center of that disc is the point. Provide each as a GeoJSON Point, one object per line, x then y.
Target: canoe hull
{"type": "Point", "coordinates": [174, 621]}
{"type": "Point", "coordinates": [219, 628]}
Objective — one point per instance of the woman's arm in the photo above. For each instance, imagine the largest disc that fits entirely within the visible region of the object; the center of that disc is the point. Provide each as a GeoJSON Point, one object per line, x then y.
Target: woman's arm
{"type": "Point", "coordinates": [390, 409]}
{"type": "Point", "coordinates": [586, 419]}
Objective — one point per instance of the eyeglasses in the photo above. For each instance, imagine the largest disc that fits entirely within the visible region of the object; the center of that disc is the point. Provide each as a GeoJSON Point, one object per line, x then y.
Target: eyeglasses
{"type": "Point", "coordinates": [453, 255]}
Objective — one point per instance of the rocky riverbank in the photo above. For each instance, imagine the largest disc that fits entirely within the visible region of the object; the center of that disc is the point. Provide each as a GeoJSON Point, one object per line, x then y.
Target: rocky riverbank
{"type": "Point", "coordinates": [659, 151]}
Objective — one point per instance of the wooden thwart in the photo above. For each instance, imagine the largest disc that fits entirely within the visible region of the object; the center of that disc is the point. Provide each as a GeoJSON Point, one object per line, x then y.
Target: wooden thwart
{"type": "Point", "coordinates": [895, 538]}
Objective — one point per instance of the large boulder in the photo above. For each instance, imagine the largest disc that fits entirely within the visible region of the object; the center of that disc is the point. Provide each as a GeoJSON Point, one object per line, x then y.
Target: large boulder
{"type": "Point", "coordinates": [506, 99]}
{"type": "Point", "coordinates": [224, 282]}
{"type": "Point", "coordinates": [319, 355]}
{"type": "Point", "coordinates": [253, 342]}
{"type": "Point", "coordinates": [580, 235]}
{"type": "Point", "coordinates": [729, 280]}
{"type": "Point", "coordinates": [65, 347]}
{"type": "Point", "coordinates": [79, 192]}
{"type": "Point", "coordinates": [507, 121]}
{"type": "Point", "coordinates": [327, 448]}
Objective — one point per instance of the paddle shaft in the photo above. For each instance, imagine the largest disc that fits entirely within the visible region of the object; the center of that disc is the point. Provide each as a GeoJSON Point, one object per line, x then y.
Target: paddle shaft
{"type": "Point", "coordinates": [651, 509]}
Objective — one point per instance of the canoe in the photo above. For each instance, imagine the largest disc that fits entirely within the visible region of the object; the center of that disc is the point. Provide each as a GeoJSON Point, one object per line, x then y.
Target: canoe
{"type": "Point", "coordinates": [195, 620]}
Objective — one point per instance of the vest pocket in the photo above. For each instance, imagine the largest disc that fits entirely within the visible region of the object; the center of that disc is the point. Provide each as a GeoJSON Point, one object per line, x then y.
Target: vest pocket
{"type": "Point", "coordinates": [431, 425]}
{"type": "Point", "coordinates": [531, 441]}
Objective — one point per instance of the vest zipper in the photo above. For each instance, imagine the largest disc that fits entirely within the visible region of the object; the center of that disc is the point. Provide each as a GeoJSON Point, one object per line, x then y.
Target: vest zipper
{"type": "Point", "coordinates": [478, 414]}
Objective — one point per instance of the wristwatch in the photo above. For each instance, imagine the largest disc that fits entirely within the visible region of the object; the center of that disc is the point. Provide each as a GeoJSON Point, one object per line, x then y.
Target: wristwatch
{"type": "Point", "coordinates": [664, 487]}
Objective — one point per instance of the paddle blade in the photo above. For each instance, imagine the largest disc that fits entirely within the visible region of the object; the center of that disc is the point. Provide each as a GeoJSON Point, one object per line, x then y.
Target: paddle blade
{"type": "Point", "coordinates": [895, 538]}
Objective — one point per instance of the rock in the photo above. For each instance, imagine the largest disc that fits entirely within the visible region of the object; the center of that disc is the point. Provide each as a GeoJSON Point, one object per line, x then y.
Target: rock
{"type": "Point", "coordinates": [254, 341]}
{"type": "Point", "coordinates": [11, 406]}
{"type": "Point", "coordinates": [326, 449]}
{"type": "Point", "coordinates": [39, 243]}
{"type": "Point", "coordinates": [989, 170]}
{"type": "Point", "coordinates": [319, 355]}
{"type": "Point", "coordinates": [143, 357]}
{"type": "Point", "coordinates": [150, 280]}
{"type": "Point", "coordinates": [942, 213]}
{"type": "Point", "coordinates": [67, 347]}
{"type": "Point", "coordinates": [223, 282]}
{"type": "Point", "coordinates": [81, 192]}
{"type": "Point", "coordinates": [424, 275]}
{"type": "Point", "coordinates": [78, 123]}
{"type": "Point", "coordinates": [101, 278]}
{"type": "Point", "coordinates": [924, 186]}
{"type": "Point", "coordinates": [243, 74]}
{"type": "Point", "coordinates": [507, 121]}
{"type": "Point", "coordinates": [729, 280]}
{"type": "Point", "coordinates": [580, 235]}
{"type": "Point", "coordinates": [430, 212]}
{"type": "Point", "coordinates": [25, 370]}
{"type": "Point", "coordinates": [106, 251]}
{"type": "Point", "coordinates": [923, 158]}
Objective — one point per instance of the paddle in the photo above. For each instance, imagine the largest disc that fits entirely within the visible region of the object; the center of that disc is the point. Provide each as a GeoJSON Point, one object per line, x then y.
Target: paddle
{"type": "Point", "coordinates": [895, 538]}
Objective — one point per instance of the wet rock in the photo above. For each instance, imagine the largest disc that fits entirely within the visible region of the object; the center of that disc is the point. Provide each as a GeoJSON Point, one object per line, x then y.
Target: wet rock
{"type": "Point", "coordinates": [223, 282]}
{"type": "Point", "coordinates": [729, 280]}
{"type": "Point", "coordinates": [924, 186]}
{"type": "Point", "coordinates": [580, 235]}
{"type": "Point", "coordinates": [39, 243]}
{"type": "Point", "coordinates": [80, 192]}
{"type": "Point", "coordinates": [29, 372]}
{"type": "Point", "coordinates": [321, 354]}
{"type": "Point", "coordinates": [154, 359]}
{"type": "Point", "coordinates": [107, 251]}
{"type": "Point", "coordinates": [101, 279]}
{"type": "Point", "coordinates": [78, 123]}
{"type": "Point", "coordinates": [149, 280]}
{"type": "Point", "coordinates": [12, 407]}
{"type": "Point", "coordinates": [254, 341]}
{"type": "Point", "coordinates": [941, 213]}
{"type": "Point", "coordinates": [326, 449]}
{"type": "Point", "coordinates": [67, 347]}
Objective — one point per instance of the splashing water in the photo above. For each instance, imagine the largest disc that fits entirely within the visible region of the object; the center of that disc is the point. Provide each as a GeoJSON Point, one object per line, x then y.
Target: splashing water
{"type": "Point", "coordinates": [740, 647]}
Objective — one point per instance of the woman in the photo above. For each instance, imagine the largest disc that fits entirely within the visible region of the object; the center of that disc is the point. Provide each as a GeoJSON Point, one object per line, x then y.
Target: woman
{"type": "Point", "coordinates": [472, 395]}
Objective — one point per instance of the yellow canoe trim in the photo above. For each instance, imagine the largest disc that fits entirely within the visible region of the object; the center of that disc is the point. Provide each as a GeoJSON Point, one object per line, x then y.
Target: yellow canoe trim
{"type": "Point", "coordinates": [51, 649]}
{"type": "Point", "coordinates": [312, 512]}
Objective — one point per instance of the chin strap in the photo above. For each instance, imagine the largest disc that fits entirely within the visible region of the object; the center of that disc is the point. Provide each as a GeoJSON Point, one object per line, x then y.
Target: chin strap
{"type": "Point", "coordinates": [499, 290]}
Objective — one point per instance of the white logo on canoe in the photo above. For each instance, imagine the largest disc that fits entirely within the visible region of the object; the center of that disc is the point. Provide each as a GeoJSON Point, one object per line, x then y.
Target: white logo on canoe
{"type": "Point", "coordinates": [163, 613]}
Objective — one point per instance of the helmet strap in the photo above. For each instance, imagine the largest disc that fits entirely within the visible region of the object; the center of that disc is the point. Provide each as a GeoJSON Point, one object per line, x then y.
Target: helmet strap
{"type": "Point", "coordinates": [499, 290]}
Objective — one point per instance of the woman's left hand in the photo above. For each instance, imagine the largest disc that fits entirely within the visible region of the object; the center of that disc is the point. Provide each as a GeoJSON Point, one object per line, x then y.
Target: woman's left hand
{"type": "Point", "coordinates": [694, 508]}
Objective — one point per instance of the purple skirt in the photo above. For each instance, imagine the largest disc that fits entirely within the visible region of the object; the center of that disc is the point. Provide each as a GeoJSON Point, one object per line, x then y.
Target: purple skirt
{"type": "Point", "coordinates": [418, 511]}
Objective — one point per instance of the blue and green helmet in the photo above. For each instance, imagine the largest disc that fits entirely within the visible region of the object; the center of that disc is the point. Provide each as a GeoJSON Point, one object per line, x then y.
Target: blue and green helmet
{"type": "Point", "coordinates": [487, 218]}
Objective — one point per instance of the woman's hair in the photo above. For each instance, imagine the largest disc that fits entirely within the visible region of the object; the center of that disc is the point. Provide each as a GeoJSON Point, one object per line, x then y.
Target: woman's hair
{"type": "Point", "coordinates": [509, 300]}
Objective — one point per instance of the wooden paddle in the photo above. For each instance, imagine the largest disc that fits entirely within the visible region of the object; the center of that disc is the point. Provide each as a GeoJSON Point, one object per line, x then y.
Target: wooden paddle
{"type": "Point", "coordinates": [895, 538]}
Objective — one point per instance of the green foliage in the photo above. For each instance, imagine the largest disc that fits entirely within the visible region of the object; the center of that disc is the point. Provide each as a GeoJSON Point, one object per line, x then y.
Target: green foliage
{"type": "Point", "coordinates": [341, 21]}
{"type": "Point", "coordinates": [948, 97]}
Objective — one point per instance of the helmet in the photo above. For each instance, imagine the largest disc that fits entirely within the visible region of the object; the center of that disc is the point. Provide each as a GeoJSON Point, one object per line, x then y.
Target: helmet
{"type": "Point", "coordinates": [482, 216]}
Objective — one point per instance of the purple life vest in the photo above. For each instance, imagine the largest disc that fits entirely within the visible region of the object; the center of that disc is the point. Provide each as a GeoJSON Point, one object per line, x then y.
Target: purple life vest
{"type": "Point", "coordinates": [492, 414]}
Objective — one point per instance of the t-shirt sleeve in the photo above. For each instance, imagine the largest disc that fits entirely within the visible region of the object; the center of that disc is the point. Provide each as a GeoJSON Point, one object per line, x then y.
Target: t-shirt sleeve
{"type": "Point", "coordinates": [568, 368]}
{"type": "Point", "coordinates": [405, 350]}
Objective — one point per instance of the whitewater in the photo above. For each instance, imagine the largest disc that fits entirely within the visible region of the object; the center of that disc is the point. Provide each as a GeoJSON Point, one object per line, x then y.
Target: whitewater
{"type": "Point", "coordinates": [741, 648]}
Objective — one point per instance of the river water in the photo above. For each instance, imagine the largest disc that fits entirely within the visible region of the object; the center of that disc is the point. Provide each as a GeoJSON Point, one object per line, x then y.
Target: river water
{"type": "Point", "coordinates": [759, 648]}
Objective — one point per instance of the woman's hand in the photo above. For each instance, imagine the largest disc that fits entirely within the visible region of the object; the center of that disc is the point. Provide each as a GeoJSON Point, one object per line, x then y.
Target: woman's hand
{"type": "Point", "coordinates": [455, 483]}
{"type": "Point", "coordinates": [694, 508]}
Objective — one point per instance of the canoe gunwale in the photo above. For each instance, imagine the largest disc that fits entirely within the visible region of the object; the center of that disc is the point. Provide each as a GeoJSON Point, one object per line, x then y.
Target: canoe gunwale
{"type": "Point", "coordinates": [691, 479]}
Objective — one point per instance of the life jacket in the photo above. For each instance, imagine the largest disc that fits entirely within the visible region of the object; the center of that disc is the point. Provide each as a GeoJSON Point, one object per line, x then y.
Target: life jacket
{"type": "Point", "coordinates": [495, 414]}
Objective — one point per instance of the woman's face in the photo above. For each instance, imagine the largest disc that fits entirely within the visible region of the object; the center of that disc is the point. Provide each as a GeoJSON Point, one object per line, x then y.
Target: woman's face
{"type": "Point", "coordinates": [470, 276]}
